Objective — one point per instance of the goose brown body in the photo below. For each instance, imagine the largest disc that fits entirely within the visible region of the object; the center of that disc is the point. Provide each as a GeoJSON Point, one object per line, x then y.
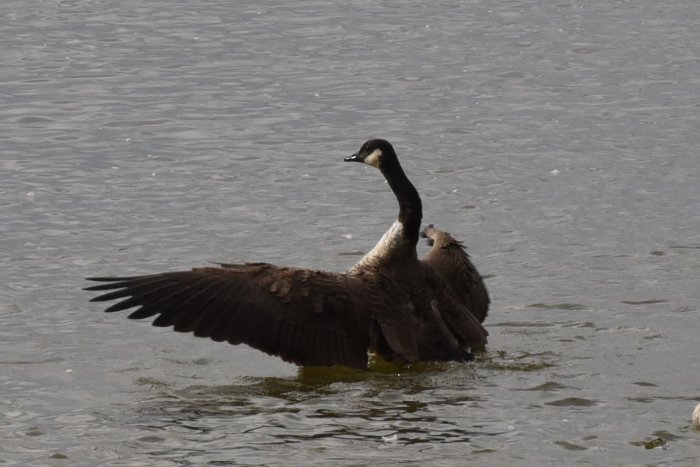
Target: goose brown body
{"type": "Point", "coordinates": [391, 303]}
{"type": "Point", "coordinates": [449, 258]}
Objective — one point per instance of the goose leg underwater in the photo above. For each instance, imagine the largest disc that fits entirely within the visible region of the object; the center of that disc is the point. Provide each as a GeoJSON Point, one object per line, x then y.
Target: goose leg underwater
{"type": "Point", "coordinates": [390, 303]}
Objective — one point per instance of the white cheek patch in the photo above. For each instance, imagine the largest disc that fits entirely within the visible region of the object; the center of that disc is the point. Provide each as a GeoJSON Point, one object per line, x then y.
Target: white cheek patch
{"type": "Point", "coordinates": [374, 158]}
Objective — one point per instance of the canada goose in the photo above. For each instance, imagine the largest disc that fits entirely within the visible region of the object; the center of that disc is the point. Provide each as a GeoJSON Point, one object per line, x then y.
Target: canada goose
{"type": "Point", "coordinates": [389, 303]}
{"type": "Point", "coordinates": [449, 259]}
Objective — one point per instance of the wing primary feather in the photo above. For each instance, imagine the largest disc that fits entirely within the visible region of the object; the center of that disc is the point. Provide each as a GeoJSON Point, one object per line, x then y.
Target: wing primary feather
{"type": "Point", "coordinates": [130, 291]}
{"type": "Point", "coordinates": [112, 283]}
{"type": "Point", "coordinates": [150, 301]}
{"type": "Point", "coordinates": [218, 304]}
{"type": "Point", "coordinates": [190, 303]}
{"type": "Point", "coordinates": [117, 279]}
{"type": "Point", "coordinates": [157, 300]}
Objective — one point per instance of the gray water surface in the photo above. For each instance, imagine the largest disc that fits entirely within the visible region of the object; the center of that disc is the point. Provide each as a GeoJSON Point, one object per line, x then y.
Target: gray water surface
{"type": "Point", "coordinates": [558, 139]}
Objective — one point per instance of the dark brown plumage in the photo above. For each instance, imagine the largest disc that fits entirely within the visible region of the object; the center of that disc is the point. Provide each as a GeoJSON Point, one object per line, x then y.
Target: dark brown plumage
{"type": "Point", "coordinates": [449, 258]}
{"type": "Point", "coordinates": [390, 303]}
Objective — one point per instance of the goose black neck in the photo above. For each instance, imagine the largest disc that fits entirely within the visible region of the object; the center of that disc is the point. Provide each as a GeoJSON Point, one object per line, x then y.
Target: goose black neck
{"type": "Point", "coordinates": [410, 206]}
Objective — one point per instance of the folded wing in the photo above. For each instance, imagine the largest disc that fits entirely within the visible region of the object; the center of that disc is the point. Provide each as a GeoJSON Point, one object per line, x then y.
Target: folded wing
{"type": "Point", "coordinates": [449, 259]}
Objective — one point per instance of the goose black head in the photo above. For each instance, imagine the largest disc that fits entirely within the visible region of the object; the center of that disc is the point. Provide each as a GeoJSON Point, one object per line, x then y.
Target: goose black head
{"type": "Point", "coordinates": [375, 152]}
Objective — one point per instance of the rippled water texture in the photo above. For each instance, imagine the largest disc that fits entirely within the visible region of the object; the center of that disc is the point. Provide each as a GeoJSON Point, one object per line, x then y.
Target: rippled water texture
{"type": "Point", "coordinates": [559, 139]}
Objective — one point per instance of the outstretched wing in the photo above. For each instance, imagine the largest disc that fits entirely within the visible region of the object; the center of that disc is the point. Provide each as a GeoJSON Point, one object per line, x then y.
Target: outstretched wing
{"type": "Point", "coordinates": [450, 260]}
{"type": "Point", "coordinates": [307, 317]}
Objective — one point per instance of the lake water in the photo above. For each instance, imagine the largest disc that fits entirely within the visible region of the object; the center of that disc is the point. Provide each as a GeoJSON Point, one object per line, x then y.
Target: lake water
{"type": "Point", "coordinates": [560, 140]}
